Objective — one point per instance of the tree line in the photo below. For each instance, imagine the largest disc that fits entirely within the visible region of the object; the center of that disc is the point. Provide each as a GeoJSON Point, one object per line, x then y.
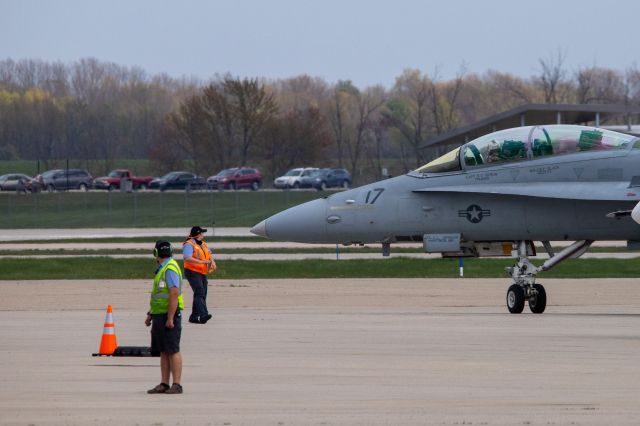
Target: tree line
{"type": "Point", "coordinates": [94, 110]}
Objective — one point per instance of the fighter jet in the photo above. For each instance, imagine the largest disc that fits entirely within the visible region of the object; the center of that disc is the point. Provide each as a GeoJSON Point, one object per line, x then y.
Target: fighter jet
{"type": "Point", "coordinates": [493, 196]}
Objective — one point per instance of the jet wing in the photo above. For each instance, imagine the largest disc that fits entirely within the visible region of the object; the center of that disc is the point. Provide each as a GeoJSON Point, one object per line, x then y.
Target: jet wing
{"type": "Point", "coordinates": [596, 191]}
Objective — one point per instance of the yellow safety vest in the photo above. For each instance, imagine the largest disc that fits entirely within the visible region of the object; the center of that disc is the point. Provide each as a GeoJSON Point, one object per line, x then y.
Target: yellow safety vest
{"type": "Point", "coordinates": [160, 290]}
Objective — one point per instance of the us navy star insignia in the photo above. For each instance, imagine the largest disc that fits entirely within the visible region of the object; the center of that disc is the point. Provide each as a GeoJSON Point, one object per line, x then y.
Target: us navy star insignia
{"type": "Point", "coordinates": [474, 213]}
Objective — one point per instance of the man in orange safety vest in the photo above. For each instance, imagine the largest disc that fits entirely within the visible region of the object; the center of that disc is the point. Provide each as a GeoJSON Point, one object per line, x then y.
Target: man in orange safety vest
{"type": "Point", "coordinates": [197, 264]}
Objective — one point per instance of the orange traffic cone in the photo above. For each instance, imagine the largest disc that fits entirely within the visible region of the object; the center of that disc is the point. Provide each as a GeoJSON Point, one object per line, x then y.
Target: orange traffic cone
{"type": "Point", "coordinates": [108, 343]}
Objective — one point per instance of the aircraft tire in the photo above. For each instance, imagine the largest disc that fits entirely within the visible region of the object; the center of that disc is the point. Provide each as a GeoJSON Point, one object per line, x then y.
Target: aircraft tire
{"type": "Point", "coordinates": [538, 303]}
{"type": "Point", "coordinates": [515, 299]}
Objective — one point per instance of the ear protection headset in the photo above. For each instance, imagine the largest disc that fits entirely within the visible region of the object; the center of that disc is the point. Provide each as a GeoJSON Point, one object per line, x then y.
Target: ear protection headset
{"type": "Point", "coordinates": [162, 249]}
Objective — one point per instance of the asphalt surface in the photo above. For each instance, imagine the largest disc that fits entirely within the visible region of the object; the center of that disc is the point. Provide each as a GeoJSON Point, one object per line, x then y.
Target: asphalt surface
{"type": "Point", "coordinates": [328, 352]}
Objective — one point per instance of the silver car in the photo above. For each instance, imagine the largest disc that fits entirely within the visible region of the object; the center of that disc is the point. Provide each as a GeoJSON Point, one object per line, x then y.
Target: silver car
{"type": "Point", "coordinates": [292, 179]}
{"type": "Point", "coordinates": [13, 182]}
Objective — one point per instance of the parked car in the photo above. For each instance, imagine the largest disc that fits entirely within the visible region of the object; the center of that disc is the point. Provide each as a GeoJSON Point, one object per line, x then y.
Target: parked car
{"type": "Point", "coordinates": [63, 179]}
{"type": "Point", "coordinates": [292, 178]}
{"type": "Point", "coordinates": [236, 178]}
{"type": "Point", "coordinates": [326, 178]}
{"type": "Point", "coordinates": [14, 181]}
{"type": "Point", "coordinates": [112, 180]}
{"type": "Point", "coordinates": [178, 180]}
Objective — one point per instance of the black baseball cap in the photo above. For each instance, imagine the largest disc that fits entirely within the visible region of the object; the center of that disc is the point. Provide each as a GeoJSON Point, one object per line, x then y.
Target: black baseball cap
{"type": "Point", "coordinates": [196, 230]}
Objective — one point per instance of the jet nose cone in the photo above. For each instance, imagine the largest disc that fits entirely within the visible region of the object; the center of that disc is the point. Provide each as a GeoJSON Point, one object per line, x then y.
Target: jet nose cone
{"type": "Point", "coordinates": [635, 213]}
{"type": "Point", "coordinates": [305, 223]}
{"type": "Point", "coordinates": [260, 229]}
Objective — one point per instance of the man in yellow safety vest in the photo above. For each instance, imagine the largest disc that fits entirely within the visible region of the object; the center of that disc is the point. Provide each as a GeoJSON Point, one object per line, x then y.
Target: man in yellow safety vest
{"type": "Point", "coordinates": [166, 318]}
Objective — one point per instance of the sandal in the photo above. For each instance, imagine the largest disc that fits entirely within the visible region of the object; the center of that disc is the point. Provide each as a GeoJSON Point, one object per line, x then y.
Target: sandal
{"type": "Point", "coordinates": [161, 388]}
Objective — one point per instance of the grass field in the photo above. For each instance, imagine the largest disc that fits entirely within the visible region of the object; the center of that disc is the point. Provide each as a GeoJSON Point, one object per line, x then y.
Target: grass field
{"type": "Point", "coordinates": [107, 268]}
{"type": "Point", "coordinates": [144, 209]}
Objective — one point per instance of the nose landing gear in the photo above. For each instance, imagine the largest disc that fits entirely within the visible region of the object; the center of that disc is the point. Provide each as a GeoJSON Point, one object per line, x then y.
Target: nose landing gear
{"type": "Point", "coordinates": [524, 287]}
{"type": "Point", "coordinates": [534, 294]}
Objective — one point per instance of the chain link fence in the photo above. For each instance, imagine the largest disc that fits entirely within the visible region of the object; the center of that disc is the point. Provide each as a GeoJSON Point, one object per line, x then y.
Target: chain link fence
{"type": "Point", "coordinates": [95, 209]}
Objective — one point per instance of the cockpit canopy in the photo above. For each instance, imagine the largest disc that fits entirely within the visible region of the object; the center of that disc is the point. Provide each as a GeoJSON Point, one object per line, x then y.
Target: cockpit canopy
{"type": "Point", "coordinates": [528, 143]}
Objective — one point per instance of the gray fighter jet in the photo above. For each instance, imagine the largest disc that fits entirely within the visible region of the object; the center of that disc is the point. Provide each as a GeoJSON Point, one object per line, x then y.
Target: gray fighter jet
{"type": "Point", "coordinates": [492, 196]}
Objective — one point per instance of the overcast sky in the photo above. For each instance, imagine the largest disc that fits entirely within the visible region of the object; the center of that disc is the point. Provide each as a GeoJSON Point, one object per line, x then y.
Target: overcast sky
{"type": "Point", "coordinates": [369, 41]}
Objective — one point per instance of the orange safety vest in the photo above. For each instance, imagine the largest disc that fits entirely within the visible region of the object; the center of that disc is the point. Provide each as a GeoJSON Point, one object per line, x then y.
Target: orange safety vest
{"type": "Point", "coordinates": [200, 252]}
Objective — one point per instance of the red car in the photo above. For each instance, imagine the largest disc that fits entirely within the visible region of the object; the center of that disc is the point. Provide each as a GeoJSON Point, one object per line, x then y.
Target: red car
{"type": "Point", "coordinates": [236, 178]}
{"type": "Point", "coordinates": [112, 181]}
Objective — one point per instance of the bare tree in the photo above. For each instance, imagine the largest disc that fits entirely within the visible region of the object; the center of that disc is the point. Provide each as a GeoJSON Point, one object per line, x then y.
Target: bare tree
{"type": "Point", "coordinates": [367, 104]}
{"type": "Point", "coordinates": [408, 111]}
{"type": "Point", "coordinates": [599, 85]}
{"type": "Point", "coordinates": [444, 97]}
{"type": "Point", "coordinates": [551, 76]}
{"type": "Point", "coordinates": [296, 135]}
{"type": "Point", "coordinates": [253, 107]}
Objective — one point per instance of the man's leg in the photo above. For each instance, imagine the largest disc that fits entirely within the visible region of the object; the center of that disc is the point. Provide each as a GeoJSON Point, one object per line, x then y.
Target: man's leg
{"type": "Point", "coordinates": [205, 288]}
{"type": "Point", "coordinates": [165, 366]}
{"type": "Point", "coordinates": [198, 308]}
{"type": "Point", "coordinates": [176, 366]}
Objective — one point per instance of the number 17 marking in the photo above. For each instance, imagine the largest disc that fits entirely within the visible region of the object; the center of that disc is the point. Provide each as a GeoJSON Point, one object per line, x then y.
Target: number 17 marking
{"type": "Point", "coordinates": [378, 191]}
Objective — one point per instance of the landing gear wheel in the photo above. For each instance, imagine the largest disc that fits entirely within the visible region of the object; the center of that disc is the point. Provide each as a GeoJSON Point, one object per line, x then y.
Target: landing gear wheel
{"type": "Point", "coordinates": [538, 302]}
{"type": "Point", "coordinates": [515, 299]}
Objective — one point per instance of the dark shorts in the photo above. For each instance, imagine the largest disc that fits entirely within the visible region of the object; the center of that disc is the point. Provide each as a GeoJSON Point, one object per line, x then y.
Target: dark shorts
{"type": "Point", "coordinates": [165, 339]}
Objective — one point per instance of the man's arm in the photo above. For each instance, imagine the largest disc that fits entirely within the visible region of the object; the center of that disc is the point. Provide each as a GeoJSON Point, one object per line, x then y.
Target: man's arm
{"type": "Point", "coordinates": [173, 281]}
{"type": "Point", "coordinates": [173, 305]}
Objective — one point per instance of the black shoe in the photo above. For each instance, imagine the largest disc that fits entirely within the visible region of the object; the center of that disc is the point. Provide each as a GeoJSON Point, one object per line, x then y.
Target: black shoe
{"type": "Point", "coordinates": [206, 318]}
{"type": "Point", "coordinates": [195, 320]}
{"type": "Point", "coordinates": [161, 388]}
{"type": "Point", "coordinates": [175, 388]}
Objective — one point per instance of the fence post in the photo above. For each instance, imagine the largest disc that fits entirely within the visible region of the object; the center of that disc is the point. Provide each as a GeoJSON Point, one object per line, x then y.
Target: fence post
{"type": "Point", "coordinates": [211, 205]}
{"type": "Point", "coordinates": [186, 202]}
{"type": "Point", "coordinates": [236, 203]}
{"type": "Point", "coordinates": [135, 206]}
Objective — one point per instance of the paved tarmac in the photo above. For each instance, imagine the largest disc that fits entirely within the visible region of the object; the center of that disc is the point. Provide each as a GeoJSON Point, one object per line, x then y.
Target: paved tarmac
{"type": "Point", "coordinates": [328, 352]}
